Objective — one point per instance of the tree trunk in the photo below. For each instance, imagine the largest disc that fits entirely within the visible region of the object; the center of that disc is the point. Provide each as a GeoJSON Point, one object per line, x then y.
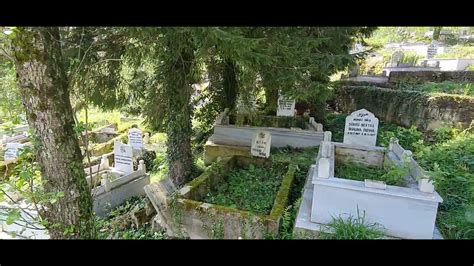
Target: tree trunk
{"type": "Point", "coordinates": [230, 85]}
{"type": "Point", "coordinates": [179, 128]}
{"type": "Point", "coordinates": [44, 89]}
{"type": "Point", "coordinates": [436, 33]}
{"type": "Point", "coordinates": [271, 95]}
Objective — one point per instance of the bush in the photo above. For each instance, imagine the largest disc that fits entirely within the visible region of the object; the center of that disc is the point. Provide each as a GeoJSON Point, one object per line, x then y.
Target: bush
{"type": "Point", "coordinates": [409, 138]}
{"type": "Point", "coordinates": [453, 165]}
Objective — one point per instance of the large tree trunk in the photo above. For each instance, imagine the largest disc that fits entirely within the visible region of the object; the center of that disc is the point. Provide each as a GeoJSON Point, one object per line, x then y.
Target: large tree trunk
{"type": "Point", "coordinates": [179, 128]}
{"type": "Point", "coordinates": [44, 89]}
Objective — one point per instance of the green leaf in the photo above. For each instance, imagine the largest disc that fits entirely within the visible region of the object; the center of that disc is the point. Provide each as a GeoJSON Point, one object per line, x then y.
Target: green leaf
{"type": "Point", "coordinates": [13, 215]}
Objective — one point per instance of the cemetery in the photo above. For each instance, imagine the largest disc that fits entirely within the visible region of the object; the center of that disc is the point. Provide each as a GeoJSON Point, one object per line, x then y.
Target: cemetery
{"type": "Point", "coordinates": [231, 138]}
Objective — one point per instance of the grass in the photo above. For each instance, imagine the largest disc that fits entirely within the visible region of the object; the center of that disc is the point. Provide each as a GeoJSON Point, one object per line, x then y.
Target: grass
{"type": "Point", "coordinates": [449, 87]}
{"type": "Point", "coordinates": [352, 228]}
{"type": "Point", "coordinates": [393, 176]}
{"type": "Point", "coordinates": [252, 188]}
{"type": "Point", "coordinates": [451, 164]}
{"type": "Point", "coordinates": [98, 118]}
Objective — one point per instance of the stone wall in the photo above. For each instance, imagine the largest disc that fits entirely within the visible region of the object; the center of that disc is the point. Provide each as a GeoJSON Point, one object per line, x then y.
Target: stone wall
{"type": "Point", "coordinates": [407, 108]}
{"type": "Point", "coordinates": [431, 76]}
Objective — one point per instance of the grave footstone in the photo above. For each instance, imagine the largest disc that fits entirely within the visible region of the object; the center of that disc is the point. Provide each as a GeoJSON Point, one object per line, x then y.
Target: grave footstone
{"type": "Point", "coordinates": [361, 128]}
{"type": "Point", "coordinates": [135, 138]}
{"type": "Point", "coordinates": [123, 157]}
{"type": "Point", "coordinates": [261, 143]}
{"type": "Point", "coordinates": [286, 106]}
{"type": "Point", "coordinates": [12, 150]}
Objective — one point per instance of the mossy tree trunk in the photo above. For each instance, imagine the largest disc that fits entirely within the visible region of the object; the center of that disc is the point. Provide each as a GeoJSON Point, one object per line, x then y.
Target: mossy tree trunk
{"type": "Point", "coordinates": [179, 127]}
{"type": "Point", "coordinates": [43, 86]}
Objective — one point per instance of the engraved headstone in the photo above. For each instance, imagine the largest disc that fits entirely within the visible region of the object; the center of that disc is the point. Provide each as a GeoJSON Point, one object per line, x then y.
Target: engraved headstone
{"type": "Point", "coordinates": [261, 143]}
{"type": "Point", "coordinates": [123, 157]}
{"type": "Point", "coordinates": [135, 138]}
{"type": "Point", "coordinates": [397, 57]}
{"type": "Point", "coordinates": [432, 50]}
{"type": "Point", "coordinates": [361, 128]}
{"type": "Point", "coordinates": [286, 106]}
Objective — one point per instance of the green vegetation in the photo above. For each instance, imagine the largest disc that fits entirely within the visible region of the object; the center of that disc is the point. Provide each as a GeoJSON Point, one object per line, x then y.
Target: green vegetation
{"type": "Point", "coordinates": [118, 224]}
{"type": "Point", "coordinates": [458, 51]}
{"type": "Point", "coordinates": [252, 188]}
{"type": "Point", "coordinates": [302, 159]}
{"type": "Point", "coordinates": [352, 228]}
{"type": "Point", "coordinates": [393, 176]}
{"type": "Point", "coordinates": [452, 167]}
{"type": "Point", "coordinates": [450, 87]}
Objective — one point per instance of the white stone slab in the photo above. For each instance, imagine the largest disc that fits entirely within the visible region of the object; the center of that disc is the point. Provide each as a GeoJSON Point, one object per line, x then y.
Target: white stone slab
{"type": "Point", "coordinates": [135, 138]}
{"type": "Point", "coordinates": [261, 144]}
{"type": "Point", "coordinates": [123, 157]}
{"type": "Point", "coordinates": [403, 212]}
{"type": "Point", "coordinates": [361, 128]}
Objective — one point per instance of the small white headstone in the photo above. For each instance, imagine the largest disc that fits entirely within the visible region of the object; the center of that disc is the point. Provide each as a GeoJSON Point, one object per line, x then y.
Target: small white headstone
{"type": "Point", "coordinates": [432, 50]}
{"type": "Point", "coordinates": [286, 107]}
{"type": "Point", "coordinates": [135, 138]}
{"type": "Point", "coordinates": [12, 150]}
{"type": "Point", "coordinates": [146, 138]}
{"type": "Point", "coordinates": [361, 128]}
{"type": "Point", "coordinates": [104, 163]}
{"type": "Point", "coordinates": [261, 143]}
{"type": "Point", "coordinates": [323, 168]}
{"type": "Point", "coordinates": [123, 157]}
{"type": "Point", "coordinates": [396, 57]}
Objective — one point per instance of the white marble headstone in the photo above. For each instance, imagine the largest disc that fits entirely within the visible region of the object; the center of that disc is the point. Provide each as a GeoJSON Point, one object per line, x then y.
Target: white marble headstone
{"type": "Point", "coordinates": [123, 157]}
{"type": "Point", "coordinates": [261, 143]}
{"type": "Point", "coordinates": [361, 128]}
{"type": "Point", "coordinates": [146, 138]}
{"type": "Point", "coordinates": [135, 138]}
{"type": "Point", "coordinates": [286, 107]}
{"type": "Point", "coordinates": [11, 150]}
{"type": "Point", "coordinates": [396, 57]}
{"type": "Point", "coordinates": [431, 50]}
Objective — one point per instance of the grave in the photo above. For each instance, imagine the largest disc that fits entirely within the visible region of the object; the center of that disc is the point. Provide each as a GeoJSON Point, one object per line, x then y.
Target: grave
{"type": "Point", "coordinates": [405, 211]}
{"type": "Point", "coordinates": [186, 214]}
{"type": "Point", "coordinates": [231, 138]}
{"type": "Point", "coordinates": [115, 188]}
